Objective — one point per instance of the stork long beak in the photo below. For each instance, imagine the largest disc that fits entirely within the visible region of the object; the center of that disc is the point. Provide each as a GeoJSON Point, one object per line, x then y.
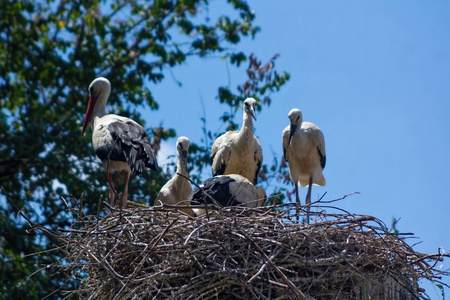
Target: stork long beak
{"type": "Point", "coordinates": [89, 111]}
{"type": "Point", "coordinates": [291, 132]}
{"type": "Point", "coordinates": [184, 157]}
{"type": "Point", "coordinates": [252, 112]}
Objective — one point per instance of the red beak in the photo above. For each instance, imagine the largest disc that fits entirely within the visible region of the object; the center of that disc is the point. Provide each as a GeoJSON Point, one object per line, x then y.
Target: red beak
{"type": "Point", "coordinates": [89, 111]}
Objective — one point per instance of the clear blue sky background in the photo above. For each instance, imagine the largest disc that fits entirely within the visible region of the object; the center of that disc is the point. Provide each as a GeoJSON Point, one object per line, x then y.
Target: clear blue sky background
{"type": "Point", "coordinates": [373, 75]}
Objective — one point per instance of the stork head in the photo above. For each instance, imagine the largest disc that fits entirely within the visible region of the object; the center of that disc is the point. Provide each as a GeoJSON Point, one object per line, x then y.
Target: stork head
{"type": "Point", "coordinates": [250, 107]}
{"type": "Point", "coordinates": [295, 116]}
{"type": "Point", "coordinates": [98, 89]}
{"type": "Point", "coordinates": [183, 144]}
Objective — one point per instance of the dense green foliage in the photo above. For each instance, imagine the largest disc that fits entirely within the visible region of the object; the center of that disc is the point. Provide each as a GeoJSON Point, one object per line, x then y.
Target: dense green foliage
{"type": "Point", "coordinates": [49, 53]}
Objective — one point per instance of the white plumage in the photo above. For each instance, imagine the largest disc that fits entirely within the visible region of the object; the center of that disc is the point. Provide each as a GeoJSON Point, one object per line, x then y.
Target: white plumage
{"type": "Point", "coordinates": [120, 143]}
{"type": "Point", "coordinates": [178, 190]}
{"type": "Point", "coordinates": [304, 150]}
{"type": "Point", "coordinates": [228, 190]}
{"type": "Point", "coordinates": [239, 152]}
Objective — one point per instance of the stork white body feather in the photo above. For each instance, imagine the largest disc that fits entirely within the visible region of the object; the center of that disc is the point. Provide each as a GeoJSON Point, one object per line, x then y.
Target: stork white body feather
{"type": "Point", "coordinates": [101, 136]}
{"type": "Point", "coordinates": [178, 190]}
{"type": "Point", "coordinates": [228, 190]}
{"type": "Point", "coordinates": [239, 152]}
{"type": "Point", "coordinates": [120, 143]}
{"type": "Point", "coordinates": [304, 151]}
{"type": "Point", "coordinates": [302, 154]}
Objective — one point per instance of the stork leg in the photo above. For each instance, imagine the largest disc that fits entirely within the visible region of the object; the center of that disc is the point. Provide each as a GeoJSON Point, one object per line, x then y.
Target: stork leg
{"type": "Point", "coordinates": [111, 188]}
{"type": "Point", "coordinates": [308, 199]}
{"type": "Point", "coordinates": [125, 193]}
{"type": "Point", "coordinates": [297, 200]}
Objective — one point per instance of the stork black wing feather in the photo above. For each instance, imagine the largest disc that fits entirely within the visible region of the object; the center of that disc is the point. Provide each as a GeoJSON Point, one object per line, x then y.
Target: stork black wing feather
{"type": "Point", "coordinates": [132, 146]}
{"type": "Point", "coordinates": [111, 151]}
{"type": "Point", "coordinates": [220, 170]}
{"type": "Point", "coordinates": [323, 158]}
{"type": "Point", "coordinates": [258, 168]}
{"type": "Point", "coordinates": [219, 189]}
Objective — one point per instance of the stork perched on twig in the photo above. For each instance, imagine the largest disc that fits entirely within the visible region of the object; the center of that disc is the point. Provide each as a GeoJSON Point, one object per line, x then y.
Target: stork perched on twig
{"type": "Point", "coordinates": [178, 190]}
{"type": "Point", "coordinates": [304, 150]}
{"type": "Point", "coordinates": [121, 144]}
{"type": "Point", "coordinates": [228, 190]}
{"type": "Point", "coordinates": [239, 152]}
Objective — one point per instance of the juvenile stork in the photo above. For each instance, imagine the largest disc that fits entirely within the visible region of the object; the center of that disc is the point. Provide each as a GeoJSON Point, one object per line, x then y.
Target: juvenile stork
{"type": "Point", "coordinates": [228, 190]}
{"type": "Point", "coordinates": [304, 150]}
{"type": "Point", "coordinates": [239, 152]}
{"type": "Point", "coordinates": [121, 144]}
{"type": "Point", "coordinates": [178, 190]}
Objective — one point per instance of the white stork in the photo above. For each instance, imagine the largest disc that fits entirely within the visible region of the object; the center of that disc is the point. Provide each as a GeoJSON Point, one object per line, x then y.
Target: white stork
{"type": "Point", "coordinates": [304, 150]}
{"type": "Point", "coordinates": [239, 152]}
{"type": "Point", "coordinates": [178, 190]}
{"type": "Point", "coordinates": [228, 190]}
{"type": "Point", "coordinates": [121, 144]}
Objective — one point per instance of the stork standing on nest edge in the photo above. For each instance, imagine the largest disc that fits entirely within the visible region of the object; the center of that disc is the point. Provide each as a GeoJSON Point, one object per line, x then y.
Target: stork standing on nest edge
{"type": "Point", "coordinates": [121, 144]}
{"type": "Point", "coordinates": [239, 152]}
{"type": "Point", "coordinates": [304, 150]}
{"type": "Point", "coordinates": [178, 190]}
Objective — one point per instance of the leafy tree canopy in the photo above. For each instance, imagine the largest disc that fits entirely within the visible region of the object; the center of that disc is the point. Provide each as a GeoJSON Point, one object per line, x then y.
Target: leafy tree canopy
{"type": "Point", "coordinates": [49, 53]}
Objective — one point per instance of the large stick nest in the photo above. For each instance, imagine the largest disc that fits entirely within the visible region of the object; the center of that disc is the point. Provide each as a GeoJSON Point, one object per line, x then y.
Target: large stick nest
{"type": "Point", "coordinates": [241, 253]}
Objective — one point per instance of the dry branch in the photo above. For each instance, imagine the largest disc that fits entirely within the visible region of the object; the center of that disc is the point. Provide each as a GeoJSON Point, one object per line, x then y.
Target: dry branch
{"type": "Point", "coordinates": [241, 253]}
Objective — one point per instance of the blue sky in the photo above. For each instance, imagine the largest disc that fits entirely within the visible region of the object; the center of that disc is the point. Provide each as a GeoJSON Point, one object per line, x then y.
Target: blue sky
{"type": "Point", "coordinates": [373, 75]}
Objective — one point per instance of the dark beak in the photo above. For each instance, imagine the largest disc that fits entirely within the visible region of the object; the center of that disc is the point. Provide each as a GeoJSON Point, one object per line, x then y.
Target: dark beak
{"type": "Point", "coordinates": [184, 155]}
{"type": "Point", "coordinates": [291, 132]}
{"type": "Point", "coordinates": [252, 113]}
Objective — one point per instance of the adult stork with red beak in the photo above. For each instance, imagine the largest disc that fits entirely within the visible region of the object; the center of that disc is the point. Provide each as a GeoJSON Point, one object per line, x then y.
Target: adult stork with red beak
{"type": "Point", "coordinates": [121, 144]}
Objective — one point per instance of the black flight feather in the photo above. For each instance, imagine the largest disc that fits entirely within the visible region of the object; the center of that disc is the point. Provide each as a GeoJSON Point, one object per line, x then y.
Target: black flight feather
{"type": "Point", "coordinates": [258, 168]}
{"type": "Point", "coordinates": [323, 158]}
{"type": "Point", "coordinates": [131, 145]}
{"type": "Point", "coordinates": [221, 169]}
{"type": "Point", "coordinates": [219, 189]}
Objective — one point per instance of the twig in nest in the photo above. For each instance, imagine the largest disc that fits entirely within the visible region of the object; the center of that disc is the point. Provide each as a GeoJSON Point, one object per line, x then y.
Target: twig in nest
{"type": "Point", "coordinates": [241, 254]}
{"type": "Point", "coordinates": [296, 291]}
{"type": "Point", "coordinates": [335, 200]}
{"type": "Point", "coordinates": [147, 252]}
{"type": "Point", "coordinates": [263, 267]}
{"type": "Point", "coordinates": [203, 191]}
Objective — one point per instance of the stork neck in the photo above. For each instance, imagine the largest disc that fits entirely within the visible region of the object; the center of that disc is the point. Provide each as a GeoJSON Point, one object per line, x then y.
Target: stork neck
{"type": "Point", "coordinates": [99, 109]}
{"type": "Point", "coordinates": [95, 120]}
{"type": "Point", "coordinates": [247, 128]}
{"type": "Point", "coordinates": [181, 166]}
{"type": "Point", "coordinates": [100, 104]}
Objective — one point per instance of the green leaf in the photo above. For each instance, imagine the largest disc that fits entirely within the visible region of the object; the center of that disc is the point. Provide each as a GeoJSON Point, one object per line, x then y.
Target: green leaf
{"type": "Point", "coordinates": [50, 52]}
